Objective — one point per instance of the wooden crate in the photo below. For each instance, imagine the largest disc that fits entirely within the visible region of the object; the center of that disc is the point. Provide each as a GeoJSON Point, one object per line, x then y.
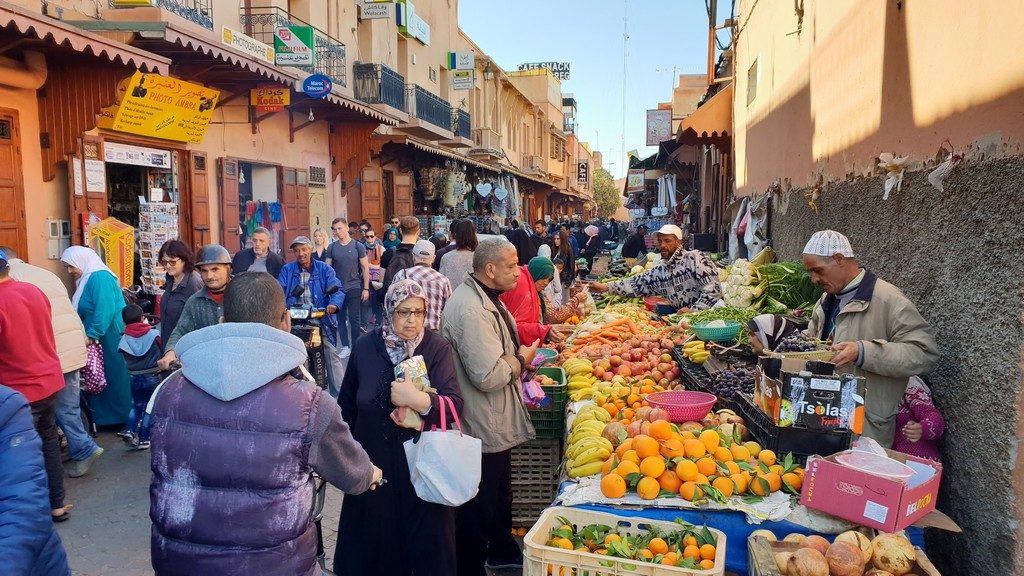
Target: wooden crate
{"type": "Point", "coordinates": [761, 559]}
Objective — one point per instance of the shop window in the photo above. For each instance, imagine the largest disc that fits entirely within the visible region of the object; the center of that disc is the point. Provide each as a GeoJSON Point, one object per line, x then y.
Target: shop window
{"type": "Point", "coordinates": [557, 148]}
{"type": "Point", "coordinates": [753, 73]}
{"type": "Point", "coordinates": [5, 129]}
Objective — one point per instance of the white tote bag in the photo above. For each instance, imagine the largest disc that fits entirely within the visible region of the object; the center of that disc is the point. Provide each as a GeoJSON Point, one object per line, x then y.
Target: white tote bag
{"type": "Point", "coordinates": [444, 464]}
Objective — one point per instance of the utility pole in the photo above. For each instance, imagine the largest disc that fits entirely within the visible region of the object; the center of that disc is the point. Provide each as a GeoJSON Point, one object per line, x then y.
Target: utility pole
{"type": "Point", "coordinates": [712, 23]}
{"type": "Point", "coordinates": [625, 43]}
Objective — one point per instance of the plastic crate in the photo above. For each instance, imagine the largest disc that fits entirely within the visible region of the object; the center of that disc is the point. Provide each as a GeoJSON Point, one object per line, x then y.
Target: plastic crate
{"type": "Point", "coordinates": [534, 479]}
{"type": "Point", "coordinates": [539, 559]}
{"type": "Point", "coordinates": [801, 441]}
{"type": "Point", "coordinates": [549, 419]}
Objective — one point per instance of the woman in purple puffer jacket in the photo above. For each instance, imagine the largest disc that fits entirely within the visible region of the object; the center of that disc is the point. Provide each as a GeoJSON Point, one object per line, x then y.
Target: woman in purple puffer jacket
{"type": "Point", "coordinates": [919, 424]}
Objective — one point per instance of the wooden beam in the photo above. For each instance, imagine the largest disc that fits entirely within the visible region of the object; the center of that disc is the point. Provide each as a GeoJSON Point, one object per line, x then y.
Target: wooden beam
{"type": "Point", "coordinates": [292, 128]}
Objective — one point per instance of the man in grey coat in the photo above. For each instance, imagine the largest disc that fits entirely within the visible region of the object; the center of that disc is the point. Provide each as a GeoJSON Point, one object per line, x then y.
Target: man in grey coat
{"type": "Point", "coordinates": [488, 361]}
{"type": "Point", "coordinates": [204, 308]}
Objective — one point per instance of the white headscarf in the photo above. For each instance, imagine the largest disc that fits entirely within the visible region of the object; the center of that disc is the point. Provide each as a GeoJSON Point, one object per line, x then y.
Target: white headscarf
{"type": "Point", "coordinates": [544, 251]}
{"type": "Point", "coordinates": [86, 260]}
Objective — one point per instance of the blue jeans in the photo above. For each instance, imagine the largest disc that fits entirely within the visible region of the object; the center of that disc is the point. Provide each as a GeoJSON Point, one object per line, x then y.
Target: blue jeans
{"type": "Point", "coordinates": [349, 317]}
{"type": "Point", "coordinates": [143, 386]}
{"type": "Point", "coordinates": [69, 417]}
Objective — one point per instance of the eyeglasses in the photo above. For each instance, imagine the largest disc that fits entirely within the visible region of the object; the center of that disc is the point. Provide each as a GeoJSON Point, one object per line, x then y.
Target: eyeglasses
{"type": "Point", "coordinates": [406, 314]}
{"type": "Point", "coordinates": [394, 222]}
{"type": "Point", "coordinates": [170, 261]}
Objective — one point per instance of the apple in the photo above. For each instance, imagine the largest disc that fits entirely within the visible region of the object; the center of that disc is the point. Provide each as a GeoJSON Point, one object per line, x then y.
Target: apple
{"type": "Point", "coordinates": [616, 361]}
{"type": "Point", "coordinates": [666, 357]}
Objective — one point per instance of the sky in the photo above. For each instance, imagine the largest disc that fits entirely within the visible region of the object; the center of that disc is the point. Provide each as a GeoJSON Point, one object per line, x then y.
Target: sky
{"type": "Point", "coordinates": [663, 36]}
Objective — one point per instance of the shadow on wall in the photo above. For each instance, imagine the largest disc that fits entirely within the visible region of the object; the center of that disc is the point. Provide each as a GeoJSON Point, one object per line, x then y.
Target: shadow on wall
{"type": "Point", "coordinates": [957, 256]}
{"type": "Point", "coordinates": [782, 142]}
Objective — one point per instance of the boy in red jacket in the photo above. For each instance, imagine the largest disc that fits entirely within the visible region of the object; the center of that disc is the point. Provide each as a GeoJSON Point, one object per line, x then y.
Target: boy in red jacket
{"type": "Point", "coordinates": [140, 346]}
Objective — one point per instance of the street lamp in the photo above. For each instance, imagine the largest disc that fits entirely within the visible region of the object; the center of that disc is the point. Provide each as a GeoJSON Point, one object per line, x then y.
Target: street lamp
{"type": "Point", "coordinates": [488, 72]}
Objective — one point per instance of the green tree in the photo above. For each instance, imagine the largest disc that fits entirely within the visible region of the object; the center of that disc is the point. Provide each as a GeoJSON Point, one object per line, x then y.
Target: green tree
{"type": "Point", "coordinates": [607, 196]}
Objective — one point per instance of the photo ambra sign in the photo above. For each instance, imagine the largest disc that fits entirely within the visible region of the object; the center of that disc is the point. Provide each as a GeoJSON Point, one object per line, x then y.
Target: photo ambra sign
{"type": "Point", "coordinates": [163, 107]}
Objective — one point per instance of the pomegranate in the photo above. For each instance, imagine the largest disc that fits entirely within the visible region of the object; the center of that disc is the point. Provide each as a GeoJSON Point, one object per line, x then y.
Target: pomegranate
{"type": "Point", "coordinates": [807, 562]}
{"type": "Point", "coordinates": [844, 559]}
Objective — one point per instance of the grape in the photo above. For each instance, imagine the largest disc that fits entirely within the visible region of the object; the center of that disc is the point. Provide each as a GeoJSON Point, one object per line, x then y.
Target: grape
{"type": "Point", "coordinates": [796, 344]}
{"type": "Point", "coordinates": [728, 383]}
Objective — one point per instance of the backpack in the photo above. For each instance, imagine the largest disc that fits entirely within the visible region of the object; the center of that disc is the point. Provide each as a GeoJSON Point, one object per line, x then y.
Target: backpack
{"type": "Point", "coordinates": [401, 260]}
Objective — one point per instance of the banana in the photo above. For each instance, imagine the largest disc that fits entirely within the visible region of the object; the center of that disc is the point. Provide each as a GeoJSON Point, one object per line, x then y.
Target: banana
{"type": "Point", "coordinates": [588, 469]}
{"type": "Point", "coordinates": [588, 434]}
{"type": "Point", "coordinates": [700, 357]}
{"type": "Point", "coordinates": [589, 425]}
{"type": "Point", "coordinates": [598, 453]}
{"type": "Point", "coordinates": [580, 446]}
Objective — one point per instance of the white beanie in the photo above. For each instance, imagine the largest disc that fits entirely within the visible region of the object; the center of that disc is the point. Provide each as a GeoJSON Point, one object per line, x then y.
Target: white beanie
{"type": "Point", "coordinates": [827, 243]}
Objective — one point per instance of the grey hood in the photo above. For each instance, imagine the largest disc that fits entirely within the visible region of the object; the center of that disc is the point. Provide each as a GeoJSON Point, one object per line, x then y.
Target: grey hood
{"type": "Point", "coordinates": [228, 361]}
{"type": "Point", "coordinates": [137, 346]}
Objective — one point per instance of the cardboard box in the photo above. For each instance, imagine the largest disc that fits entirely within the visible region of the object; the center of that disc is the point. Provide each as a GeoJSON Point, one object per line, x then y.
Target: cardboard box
{"type": "Point", "coordinates": [876, 501]}
{"type": "Point", "coordinates": [815, 401]}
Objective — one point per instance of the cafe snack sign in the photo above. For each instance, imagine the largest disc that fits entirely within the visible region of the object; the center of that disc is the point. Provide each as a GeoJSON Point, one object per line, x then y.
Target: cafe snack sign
{"type": "Point", "coordinates": [163, 107]}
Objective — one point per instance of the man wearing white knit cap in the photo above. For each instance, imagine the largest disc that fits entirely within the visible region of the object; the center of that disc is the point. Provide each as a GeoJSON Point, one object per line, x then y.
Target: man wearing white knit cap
{"type": "Point", "coordinates": [876, 331]}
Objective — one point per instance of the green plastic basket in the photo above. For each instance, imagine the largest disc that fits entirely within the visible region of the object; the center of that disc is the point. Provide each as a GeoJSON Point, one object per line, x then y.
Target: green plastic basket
{"type": "Point", "coordinates": [717, 334]}
{"type": "Point", "coordinates": [549, 421]}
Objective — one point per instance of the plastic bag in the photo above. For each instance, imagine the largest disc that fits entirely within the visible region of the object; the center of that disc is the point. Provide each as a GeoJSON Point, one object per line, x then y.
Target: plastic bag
{"type": "Point", "coordinates": [444, 465]}
{"type": "Point", "coordinates": [533, 394]}
{"type": "Point", "coordinates": [94, 379]}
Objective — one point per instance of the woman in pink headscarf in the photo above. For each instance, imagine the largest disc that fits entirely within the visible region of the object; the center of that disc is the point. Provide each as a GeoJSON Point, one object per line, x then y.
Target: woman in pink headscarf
{"type": "Point", "coordinates": [593, 245]}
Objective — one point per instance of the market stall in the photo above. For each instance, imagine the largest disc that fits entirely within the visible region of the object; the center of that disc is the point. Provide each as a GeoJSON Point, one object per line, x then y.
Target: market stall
{"type": "Point", "coordinates": [675, 417]}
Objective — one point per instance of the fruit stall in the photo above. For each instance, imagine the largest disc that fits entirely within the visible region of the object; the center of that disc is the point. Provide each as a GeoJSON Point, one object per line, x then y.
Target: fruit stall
{"type": "Point", "coordinates": [667, 446]}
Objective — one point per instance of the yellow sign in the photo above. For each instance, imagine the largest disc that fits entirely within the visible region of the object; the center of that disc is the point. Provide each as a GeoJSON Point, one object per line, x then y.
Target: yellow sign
{"type": "Point", "coordinates": [163, 107]}
{"type": "Point", "coordinates": [270, 99]}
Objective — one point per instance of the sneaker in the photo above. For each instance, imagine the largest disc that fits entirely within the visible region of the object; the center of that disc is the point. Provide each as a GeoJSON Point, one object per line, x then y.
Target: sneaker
{"type": "Point", "coordinates": [142, 445]}
{"type": "Point", "coordinates": [124, 434]}
{"type": "Point", "coordinates": [79, 468]}
{"type": "Point", "coordinates": [130, 440]}
{"type": "Point", "coordinates": [344, 352]}
{"type": "Point", "coordinates": [514, 562]}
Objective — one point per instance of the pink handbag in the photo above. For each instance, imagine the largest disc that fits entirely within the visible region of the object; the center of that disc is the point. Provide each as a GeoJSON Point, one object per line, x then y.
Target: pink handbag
{"type": "Point", "coordinates": [94, 380]}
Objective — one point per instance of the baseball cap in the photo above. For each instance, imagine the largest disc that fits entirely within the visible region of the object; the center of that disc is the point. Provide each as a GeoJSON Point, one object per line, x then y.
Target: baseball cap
{"type": "Point", "coordinates": [423, 248]}
{"type": "Point", "coordinates": [301, 240]}
{"type": "Point", "coordinates": [671, 229]}
{"type": "Point", "coordinates": [827, 243]}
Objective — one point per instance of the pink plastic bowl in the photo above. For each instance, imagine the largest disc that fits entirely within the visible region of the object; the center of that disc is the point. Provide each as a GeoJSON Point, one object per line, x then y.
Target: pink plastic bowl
{"type": "Point", "coordinates": [683, 405]}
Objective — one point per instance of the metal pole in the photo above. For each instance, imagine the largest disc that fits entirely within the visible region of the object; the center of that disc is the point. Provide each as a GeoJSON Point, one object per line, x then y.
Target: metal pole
{"type": "Point", "coordinates": [712, 21]}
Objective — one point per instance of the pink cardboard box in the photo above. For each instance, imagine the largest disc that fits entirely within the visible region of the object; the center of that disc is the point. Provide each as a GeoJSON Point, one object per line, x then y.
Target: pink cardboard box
{"type": "Point", "coordinates": [875, 501]}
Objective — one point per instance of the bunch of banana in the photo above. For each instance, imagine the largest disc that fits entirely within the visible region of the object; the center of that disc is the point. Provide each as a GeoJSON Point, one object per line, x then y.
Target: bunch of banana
{"type": "Point", "coordinates": [586, 449]}
{"type": "Point", "coordinates": [580, 378]}
{"type": "Point", "coordinates": [696, 352]}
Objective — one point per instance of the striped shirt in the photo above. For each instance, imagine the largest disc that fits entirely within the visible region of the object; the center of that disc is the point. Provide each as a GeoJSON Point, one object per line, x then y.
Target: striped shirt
{"type": "Point", "coordinates": [435, 285]}
{"type": "Point", "coordinates": [689, 279]}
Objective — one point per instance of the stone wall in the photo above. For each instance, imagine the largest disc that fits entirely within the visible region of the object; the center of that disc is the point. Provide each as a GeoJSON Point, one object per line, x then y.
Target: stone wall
{"type": "Point", "coordinates": [959, 255]}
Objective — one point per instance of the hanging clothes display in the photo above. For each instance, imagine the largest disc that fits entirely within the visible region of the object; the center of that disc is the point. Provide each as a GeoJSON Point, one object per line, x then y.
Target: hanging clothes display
{"type": "Point", "coordinates": [667, 191]}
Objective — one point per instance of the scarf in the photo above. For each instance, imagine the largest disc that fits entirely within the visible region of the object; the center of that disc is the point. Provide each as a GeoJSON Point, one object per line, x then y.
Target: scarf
{"type": "Point", "coordinates": [88, 261]}
{"type": "Point", "coordinates": [388, 243]}
{"type": "Point", "coordinates": [591, 230]}
{"type": "Point", "coordinates": [770, 330]}
{"type": "Point", "coordinates": [399, 348]}
{"type": "Point", "coordinates": [493, 294]}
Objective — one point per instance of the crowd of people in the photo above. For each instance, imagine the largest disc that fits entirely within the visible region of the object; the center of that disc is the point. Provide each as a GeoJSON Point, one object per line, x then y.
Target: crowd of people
{"type": "Point", "coordinates": [235, 429]}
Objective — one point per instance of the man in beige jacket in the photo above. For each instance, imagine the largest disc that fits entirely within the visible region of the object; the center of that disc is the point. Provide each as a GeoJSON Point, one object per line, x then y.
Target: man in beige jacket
{"type": "Point", "coordinates": [488, 361]}
{"type": "Point", "coordinates": [69, 335]}
{"type": "Point", "coordinates": [876, 331]}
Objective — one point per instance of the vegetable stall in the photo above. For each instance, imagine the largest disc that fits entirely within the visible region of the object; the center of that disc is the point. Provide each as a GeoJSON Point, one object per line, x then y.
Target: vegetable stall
{"type": "Point", "coordinates": [661, 417]}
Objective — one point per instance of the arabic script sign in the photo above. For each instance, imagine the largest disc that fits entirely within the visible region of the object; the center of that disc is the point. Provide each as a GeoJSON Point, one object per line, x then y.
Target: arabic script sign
{"type": "Point", "coordinates": [163, 107]}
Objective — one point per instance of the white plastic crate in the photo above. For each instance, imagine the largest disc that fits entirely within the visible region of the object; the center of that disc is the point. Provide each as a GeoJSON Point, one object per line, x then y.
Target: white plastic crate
{"type": "Point", "coordinates": [539, 559]}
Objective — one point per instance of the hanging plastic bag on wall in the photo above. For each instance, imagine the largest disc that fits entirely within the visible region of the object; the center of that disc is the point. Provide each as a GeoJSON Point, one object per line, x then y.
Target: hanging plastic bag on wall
{"type": "Point", "coordinates": [895, 167]}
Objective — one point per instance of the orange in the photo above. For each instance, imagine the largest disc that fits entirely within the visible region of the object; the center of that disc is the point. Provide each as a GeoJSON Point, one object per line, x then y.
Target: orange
{"type": "Point", "coordinates": [707, 564]}
{"type": "Point", "coordinates": [741, 482]}
{"type": "Point", "coordinates": [694, 448]}
{"type": "Point", "coordinates": [774, 480]}
{"type": "Point", "coordinates": [691, 551]}
{"type": "Point", "coordinates": [606, 468]}
{"type": "Point", "coordinates": [723, 454]}
{"type": "Point", "coordinates": [707, 552]}
{"type": "Point", "coordinates": [658, 546]}
{"type": "Point", "coordinates": [690, 491]}
{"type": "Point", "coordinates": [652, 466]}
{"type": "Point", "coordinates": [646, 388]}
{"type": "Point", "coordinates": [646, 446]}
{"type": "Point", "coordinates": [733, 467]}
{"type": "Point", "coordinates": [687, 435]}
{"type": "Point", "coordinates": [613, 486]}
{"type": "Point", "coordinates": [760, 486]}
{"type": "Point", "coordinates": [739, 452]}
{"type": "Point", "coordinates": [661, 430]}
{"type": "Point", "coordinates": [686, 470]}
{"type": "Point", "coordinates": [689, 540]}
{"type": "Point", "coordinates": [645, 554]}
{"type": "Point", "coordinates": [669, 481]}
{"type": "Point", "coordinates": [711, 439]}
{"type": "Point", "coordinates": [601, 551]}
{"type": "Point", "coordinates": [777, 468]}
{"type": "Point", "coordinates": [634, 399]}
{"type": "Point", "coordinates": [701, 479]}
{"type": "Point", "coordinates": [672, 448]}
{"type": "Point", "coordinates": [564, 543]}
{"type": "Point", "coordinates": [627, 414]}
{"type": "Point", "coordinates": [627, 467]}
{"type": "Point", "coordinates": [626, 445]}
{"type": "Point", "coordinates": [724, 485]}
{"type": "Point", "coordinates": [631, 456]}
{"type": "Point", "coordinates": [613, 537]}
{"type": "Point", "coordinates": [648, 488]}
{"type": "Point", "coordinates": [767, 457]}
{"type": "Point", "coordinates": [706, 466]}
{"type": "Point", "coordinates": [670, 559]}
{"type": "Point", "coordinates": [612, 409]}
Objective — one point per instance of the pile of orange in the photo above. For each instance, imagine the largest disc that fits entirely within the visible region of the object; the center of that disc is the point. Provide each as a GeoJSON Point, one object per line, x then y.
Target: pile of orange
{"type": "Point", "coordinates": [623, 401]}
{"type": "Point", "coordinates": [689, 547]}
{"type": "Point", "coordinates": [670, 462]}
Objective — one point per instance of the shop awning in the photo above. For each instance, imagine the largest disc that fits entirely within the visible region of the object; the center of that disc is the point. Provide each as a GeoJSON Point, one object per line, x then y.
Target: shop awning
{"type": "Point", "coordinates": [711, 123]}
{"type": "Point", "coordinates": [686, 155]}
{"type": "Point", "coordinates": [182, 45]}
{"type": "Point", "coordinates": [425, 146]}
{"type": "Point", "coordinates": [61, 34]}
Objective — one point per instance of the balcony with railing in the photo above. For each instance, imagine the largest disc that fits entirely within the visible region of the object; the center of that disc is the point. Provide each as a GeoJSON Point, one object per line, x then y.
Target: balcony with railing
{"type": "Point", "coordinates": [260, 22]}
{"type": "Point", "coordinates": [430, 116]}
{"type": "Point", "coordinates": [195, 11]}
{"type": "Point", "coordinates": [486, 143]}
{"type": "Point", "coordinates": [531, 164]}
{"type": "Point", "coordinates": [378, 85]}
{"type": "Point", "coordinates": [462, 128]}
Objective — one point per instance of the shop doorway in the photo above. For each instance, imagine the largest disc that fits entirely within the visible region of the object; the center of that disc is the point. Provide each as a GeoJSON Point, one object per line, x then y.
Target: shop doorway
{"type": "Point", "coordinates": [136, 173]}
{"type": "Point", "coordinates": [259, 202]}
{"type": "Point", "coordinates": [12, 195]}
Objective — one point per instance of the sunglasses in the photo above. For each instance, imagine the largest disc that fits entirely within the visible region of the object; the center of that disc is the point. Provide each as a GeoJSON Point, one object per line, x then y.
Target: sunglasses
{"type": "Point", "coordinates": [370, 236]}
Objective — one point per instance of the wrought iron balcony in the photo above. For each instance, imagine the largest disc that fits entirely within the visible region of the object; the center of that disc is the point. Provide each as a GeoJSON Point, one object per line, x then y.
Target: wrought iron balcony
{"type": "Point", "coordinates": [378, 84]}
{"type": "Point", "coordinates": [461, 123]}
{"type": "Point", "coordinates": [197, 11]}
{"type": "Point", "coordinates": [429, 107]}
{"type": "Point", "coordinates": [329, 53]}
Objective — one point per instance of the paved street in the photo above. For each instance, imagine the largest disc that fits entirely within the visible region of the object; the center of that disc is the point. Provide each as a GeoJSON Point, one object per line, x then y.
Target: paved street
{"type": "Point", "coordinates": [108, 532]}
